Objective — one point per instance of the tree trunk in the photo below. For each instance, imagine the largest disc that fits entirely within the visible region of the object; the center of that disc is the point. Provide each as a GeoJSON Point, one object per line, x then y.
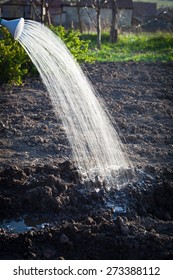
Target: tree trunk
{"type": "Point", "coordinates": [98, 29]}
{"type": "Point", "coordinates": [79, 18]}
{"type": "Point", "coordinates": [48, 14]}
{"type": "Point", "coordinates": [113, 31]}
{"type": "Point", "coordinates": [42, 11]}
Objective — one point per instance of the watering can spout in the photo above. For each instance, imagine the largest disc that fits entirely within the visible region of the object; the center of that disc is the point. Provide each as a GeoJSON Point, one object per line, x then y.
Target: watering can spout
{"type": "Point", "coordinates": [15, 26]}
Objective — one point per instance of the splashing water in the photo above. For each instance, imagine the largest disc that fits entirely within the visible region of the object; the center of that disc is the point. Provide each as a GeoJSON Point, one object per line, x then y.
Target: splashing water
{"type": "Point", "coordinates": [96, 147]}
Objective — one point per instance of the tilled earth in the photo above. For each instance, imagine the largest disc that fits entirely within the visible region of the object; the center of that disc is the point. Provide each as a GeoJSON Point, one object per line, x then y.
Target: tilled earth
{"type": "Point", "coordinates": [46, 212]}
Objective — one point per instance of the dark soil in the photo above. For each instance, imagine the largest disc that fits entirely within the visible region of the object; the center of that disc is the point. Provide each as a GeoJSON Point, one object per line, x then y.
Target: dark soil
{"type": "Point", "coordinates": [40, 187]}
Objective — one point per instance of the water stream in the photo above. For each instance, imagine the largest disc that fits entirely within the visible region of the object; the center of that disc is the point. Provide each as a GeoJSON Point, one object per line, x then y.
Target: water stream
{"type": "Point", "coordinates": [96, 147]}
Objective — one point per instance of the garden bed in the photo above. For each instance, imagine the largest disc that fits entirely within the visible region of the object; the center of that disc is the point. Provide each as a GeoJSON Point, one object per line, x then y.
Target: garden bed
{"type": "Point", "coordinates": [46, 212]}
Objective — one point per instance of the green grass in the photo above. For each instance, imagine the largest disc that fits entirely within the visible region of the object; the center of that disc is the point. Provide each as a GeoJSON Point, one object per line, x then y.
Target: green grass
{"type": "Point", "coordinates": [137, 47]}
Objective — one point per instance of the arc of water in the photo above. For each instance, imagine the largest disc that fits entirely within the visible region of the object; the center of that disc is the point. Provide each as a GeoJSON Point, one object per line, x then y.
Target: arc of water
{"type": "Point", "coordinates": [96, 147]}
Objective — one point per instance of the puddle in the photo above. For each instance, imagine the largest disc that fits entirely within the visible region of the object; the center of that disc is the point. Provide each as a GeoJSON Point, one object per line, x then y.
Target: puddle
{"type": "Point", "coordinates": [24, 224]}
{"type": "Point", "coordinates": [119, 209]}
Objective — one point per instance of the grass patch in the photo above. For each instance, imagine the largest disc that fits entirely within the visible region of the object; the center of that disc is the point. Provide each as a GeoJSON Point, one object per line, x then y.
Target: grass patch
{"type": "Point", "coordinates": [137, 47]}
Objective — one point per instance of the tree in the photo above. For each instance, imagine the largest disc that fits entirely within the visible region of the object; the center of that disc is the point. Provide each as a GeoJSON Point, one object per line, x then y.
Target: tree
{"type": "Point", "coordinates": [78, 6]}
{"type": "Point", "coordinates": [98, 5]}
{"type": "Point", "coordinates": [95, 4]}
{"type": "Point", "coordinates": [41, 9]}
{"type": "Point", "coordinates": [113, 30]}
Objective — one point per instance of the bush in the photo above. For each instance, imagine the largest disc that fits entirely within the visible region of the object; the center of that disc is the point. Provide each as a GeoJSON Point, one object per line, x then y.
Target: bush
{"type": "Point", "coordinates": [14, 62]}
{"type": "Point", "coordinates": [78, 47]}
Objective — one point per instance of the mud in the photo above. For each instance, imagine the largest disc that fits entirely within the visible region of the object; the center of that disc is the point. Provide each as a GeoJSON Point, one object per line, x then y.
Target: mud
{"type": "Point", "coordinates": [46, 212]}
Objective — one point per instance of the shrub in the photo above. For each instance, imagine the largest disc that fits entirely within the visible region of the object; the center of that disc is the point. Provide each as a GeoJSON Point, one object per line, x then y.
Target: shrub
{"type": "Point", "coordinates": [78, 47]}
{"type": "Point", "coordinates": [14, 62]}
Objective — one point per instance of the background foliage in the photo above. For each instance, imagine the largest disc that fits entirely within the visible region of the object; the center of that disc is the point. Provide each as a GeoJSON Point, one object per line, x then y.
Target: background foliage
{"type": "Point", "coordinates": [77, 46]}
{"type": "Point", "coordinates": [15, 64]}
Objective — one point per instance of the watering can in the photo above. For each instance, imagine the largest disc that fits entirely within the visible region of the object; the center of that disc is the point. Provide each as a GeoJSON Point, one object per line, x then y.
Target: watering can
{"type": "Point", "coordinates": [15, 26]}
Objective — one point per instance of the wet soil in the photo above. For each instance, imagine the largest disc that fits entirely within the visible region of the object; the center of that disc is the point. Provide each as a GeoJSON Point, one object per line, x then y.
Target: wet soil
{"type": "Point", "coordinates": [40, 187]}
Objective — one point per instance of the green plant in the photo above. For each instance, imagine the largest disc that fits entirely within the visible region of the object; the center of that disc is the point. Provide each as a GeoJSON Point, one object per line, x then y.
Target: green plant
{"type": "Point", "coordinates": [77, 46]}
{"type": "Point", "coordinates": [14, 62]}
